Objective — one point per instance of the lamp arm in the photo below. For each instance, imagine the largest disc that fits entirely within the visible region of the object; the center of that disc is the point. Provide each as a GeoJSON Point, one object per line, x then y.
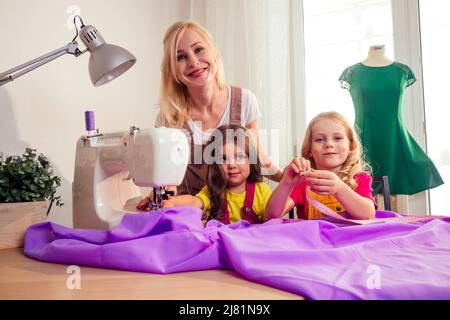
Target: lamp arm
{"type": "Point", "coordinates": [11, 74]}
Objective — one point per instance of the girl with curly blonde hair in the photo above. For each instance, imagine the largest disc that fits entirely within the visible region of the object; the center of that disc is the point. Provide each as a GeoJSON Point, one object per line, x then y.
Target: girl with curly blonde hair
{"type": "Point", "coordinates": [331, 171]}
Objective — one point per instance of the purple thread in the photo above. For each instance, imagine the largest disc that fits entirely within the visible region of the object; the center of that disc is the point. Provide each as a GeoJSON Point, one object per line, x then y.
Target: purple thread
{"type": "Point", "coordinates": [89, 120]}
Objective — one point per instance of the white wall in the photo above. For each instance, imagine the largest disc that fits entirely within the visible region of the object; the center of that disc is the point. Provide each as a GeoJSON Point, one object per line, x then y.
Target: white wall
{"type": "Point", "coordinates": [44, 109]}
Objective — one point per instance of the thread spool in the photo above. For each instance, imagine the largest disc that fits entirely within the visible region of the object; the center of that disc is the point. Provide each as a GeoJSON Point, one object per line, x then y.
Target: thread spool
{"type": "Point", "coordinates": [89, 121]}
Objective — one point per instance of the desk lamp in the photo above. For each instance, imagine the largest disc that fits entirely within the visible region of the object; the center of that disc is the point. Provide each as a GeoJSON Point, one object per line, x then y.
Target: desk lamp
{"type": "Point", "coordinates": [106, 62]}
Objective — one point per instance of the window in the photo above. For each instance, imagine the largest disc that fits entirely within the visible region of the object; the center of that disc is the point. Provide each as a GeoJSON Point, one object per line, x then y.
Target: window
{"type": "Point", "coordinates": [338, 34]}
{"type": "Point", "coordinates": [435, 32]}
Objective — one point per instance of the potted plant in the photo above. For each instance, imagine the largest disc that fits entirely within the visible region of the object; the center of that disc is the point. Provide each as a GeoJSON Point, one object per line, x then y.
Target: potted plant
{"type": "Point", "coordinates": [27, 184]}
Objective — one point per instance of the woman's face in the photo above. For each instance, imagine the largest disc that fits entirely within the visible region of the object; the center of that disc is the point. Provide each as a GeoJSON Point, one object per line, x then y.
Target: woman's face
{"type": "Point", "coordinates": [236, 164]}
{"type": "Point", "coordinates": [194, 65]}
{"type": "Point", "coordinates": [330, 145]}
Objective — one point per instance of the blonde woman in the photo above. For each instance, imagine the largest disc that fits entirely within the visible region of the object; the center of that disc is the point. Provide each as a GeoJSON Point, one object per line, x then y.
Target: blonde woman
{"type": "Point", "coordinates": [196, 98]}
{"type": "Point", "coordinates": [331, 170]}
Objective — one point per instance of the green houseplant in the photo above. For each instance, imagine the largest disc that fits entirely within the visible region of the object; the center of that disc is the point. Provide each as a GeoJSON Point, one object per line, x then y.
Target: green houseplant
{"type": "Point", "coordinates": [27, 184]}
{"type": "Point", "coordinates": [28, 177]}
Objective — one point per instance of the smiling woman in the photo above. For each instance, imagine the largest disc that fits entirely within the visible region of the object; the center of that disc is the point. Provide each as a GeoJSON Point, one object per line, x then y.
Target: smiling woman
{"type": "Point", "coordinates": [194, 60]}
{"type": "Point", "coordinates": [196, 98]}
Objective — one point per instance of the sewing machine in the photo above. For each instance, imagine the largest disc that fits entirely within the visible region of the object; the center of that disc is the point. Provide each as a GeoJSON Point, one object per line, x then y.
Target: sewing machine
{"type": "Point", "coordinates": [110, 168]}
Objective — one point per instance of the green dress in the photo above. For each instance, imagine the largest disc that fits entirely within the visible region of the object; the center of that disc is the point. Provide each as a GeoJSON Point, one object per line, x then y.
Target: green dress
{"type": "Point", "coordinates": [377, 94]}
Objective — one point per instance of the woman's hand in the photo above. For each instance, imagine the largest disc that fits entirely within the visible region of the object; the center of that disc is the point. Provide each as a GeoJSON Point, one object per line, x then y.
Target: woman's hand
{"type": "Point", "coordinates": [324, 182]}
{"type": "Point", "coordinates": [294, 173]}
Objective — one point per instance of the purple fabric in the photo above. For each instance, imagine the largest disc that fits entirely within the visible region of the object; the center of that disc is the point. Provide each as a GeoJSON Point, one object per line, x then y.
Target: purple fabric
{"type": "Point", "coordinates": [317, 259]}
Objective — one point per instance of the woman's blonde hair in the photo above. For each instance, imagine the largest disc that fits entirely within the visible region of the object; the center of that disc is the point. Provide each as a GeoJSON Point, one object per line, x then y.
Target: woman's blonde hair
{"type": "Point", "coordinates": [174, 100]}
{"type": "Point", "coordinates": [355, 161]}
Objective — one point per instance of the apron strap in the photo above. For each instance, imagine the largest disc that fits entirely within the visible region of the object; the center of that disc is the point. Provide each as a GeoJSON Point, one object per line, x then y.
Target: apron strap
{"type": "Point", "coordinates": [247, 210]}
{"type": "Point", "coordinates": [235, 106]}
{"type": "Point", "coordinates": [235, 109]}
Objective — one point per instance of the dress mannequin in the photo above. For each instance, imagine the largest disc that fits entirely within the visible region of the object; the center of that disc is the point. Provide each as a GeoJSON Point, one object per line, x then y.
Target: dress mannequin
{"type": "Point", "coordinates": [376, 57]}
{"type": "Point", "coordinates": [377, 87]}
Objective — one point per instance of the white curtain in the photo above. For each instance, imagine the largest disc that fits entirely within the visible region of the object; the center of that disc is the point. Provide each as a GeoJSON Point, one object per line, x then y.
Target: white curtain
{"type": "Point", "coordinates": [261, 45]}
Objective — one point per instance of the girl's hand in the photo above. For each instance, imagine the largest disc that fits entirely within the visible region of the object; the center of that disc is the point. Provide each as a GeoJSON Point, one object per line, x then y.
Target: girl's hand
{"type": "Point", "coordinates": [294, 173]}
{"type": "Point", "coordinates": [143, 204]}
{"type": "Point", "coordinates": [169, 203]}
{"type": "Point", "coordinates": [324, 182]}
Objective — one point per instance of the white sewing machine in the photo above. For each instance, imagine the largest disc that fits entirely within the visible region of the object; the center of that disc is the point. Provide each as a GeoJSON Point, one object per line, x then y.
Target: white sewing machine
{"type": "Point", "coordinates": [110, 168]}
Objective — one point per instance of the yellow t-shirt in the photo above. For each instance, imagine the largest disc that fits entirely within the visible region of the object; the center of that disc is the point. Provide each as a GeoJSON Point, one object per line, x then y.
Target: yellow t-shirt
{"type": "Point", "coordinates": [235, 201]}
{"type": "Point", "coordinates": [329, 201]}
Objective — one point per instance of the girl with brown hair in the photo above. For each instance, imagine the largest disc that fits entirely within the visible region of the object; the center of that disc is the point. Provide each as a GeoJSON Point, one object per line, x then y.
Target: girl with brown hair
{"type": "Point", "coordinates": [234, 188]}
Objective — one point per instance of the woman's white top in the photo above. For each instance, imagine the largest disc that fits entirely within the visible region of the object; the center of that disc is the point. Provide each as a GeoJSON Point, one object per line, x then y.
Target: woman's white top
{"type": "Point", "coordinates": [249, 114]}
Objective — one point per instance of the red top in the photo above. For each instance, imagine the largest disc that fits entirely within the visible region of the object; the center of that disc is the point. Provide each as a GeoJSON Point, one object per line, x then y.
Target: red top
{"type": "Point", "coordinates": [298, 194]}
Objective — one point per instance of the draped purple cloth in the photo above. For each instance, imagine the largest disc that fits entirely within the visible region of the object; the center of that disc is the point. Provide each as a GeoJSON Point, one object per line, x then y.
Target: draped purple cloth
{"type": "Point", "coordinates": [317, 259]}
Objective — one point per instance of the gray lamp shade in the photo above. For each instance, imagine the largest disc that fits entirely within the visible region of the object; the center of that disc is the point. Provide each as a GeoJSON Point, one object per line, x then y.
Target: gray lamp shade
{"type": "Point", "coordinates": [107, 61]}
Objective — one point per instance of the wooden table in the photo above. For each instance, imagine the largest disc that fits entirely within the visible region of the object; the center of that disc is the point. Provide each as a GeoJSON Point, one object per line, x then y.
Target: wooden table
{"type": "Point", "coordinates": [25, 278]}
